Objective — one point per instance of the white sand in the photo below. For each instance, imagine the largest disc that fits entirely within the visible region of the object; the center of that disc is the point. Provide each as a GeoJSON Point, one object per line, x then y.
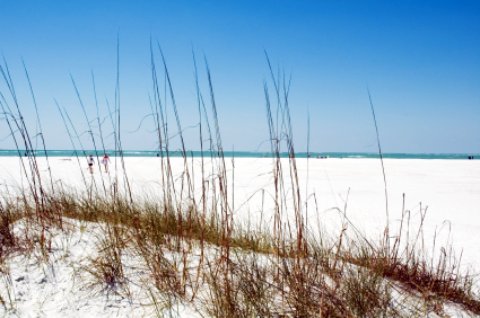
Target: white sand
{"type": "Point", "coordinates": [450, 189]}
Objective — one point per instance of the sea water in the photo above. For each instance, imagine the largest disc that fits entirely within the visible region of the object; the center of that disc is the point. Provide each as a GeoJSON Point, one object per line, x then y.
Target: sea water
{"type": "Point", "coordinates": [236, 154]}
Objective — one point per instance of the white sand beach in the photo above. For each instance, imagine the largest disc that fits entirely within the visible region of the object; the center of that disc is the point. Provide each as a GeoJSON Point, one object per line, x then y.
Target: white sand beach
{"type": "Point", "coordinates": [449, 190]}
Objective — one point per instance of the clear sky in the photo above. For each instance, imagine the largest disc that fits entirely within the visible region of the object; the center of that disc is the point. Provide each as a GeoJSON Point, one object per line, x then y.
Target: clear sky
{"type": "Point", "coordinates": [420, 59]}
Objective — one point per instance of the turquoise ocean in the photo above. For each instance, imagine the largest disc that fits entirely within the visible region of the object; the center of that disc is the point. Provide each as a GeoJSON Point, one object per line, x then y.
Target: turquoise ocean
{"type": "Point", "coordinates": [241, 154]}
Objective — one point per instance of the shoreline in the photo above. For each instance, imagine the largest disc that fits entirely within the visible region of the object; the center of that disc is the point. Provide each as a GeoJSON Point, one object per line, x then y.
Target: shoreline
{"type": "Point", "coordinates": [240, 154]}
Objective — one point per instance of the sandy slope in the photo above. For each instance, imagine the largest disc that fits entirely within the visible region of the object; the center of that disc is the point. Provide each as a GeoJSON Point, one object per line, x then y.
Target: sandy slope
{"type": "Point", "coordinates": [450, 189]}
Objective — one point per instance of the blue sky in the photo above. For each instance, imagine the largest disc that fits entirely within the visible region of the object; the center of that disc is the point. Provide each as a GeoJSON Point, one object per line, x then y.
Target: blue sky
{"type": "Point", "coordinates": [420, 59]}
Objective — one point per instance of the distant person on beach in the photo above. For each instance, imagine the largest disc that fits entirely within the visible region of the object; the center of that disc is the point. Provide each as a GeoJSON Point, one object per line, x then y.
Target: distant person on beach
{"type": "Point", "coordinates": [90, 161]}
{"type": "Point", "coordinates": [105, 162]}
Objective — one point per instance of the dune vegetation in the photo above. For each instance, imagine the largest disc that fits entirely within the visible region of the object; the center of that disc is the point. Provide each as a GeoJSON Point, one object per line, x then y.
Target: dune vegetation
{"type": "Point", "coordinates": [186, 250]}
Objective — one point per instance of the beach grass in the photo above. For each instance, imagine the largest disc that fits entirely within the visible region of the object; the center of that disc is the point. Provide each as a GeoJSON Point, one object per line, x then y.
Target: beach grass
{"type": "Point", "coordinates": [192, 250]}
